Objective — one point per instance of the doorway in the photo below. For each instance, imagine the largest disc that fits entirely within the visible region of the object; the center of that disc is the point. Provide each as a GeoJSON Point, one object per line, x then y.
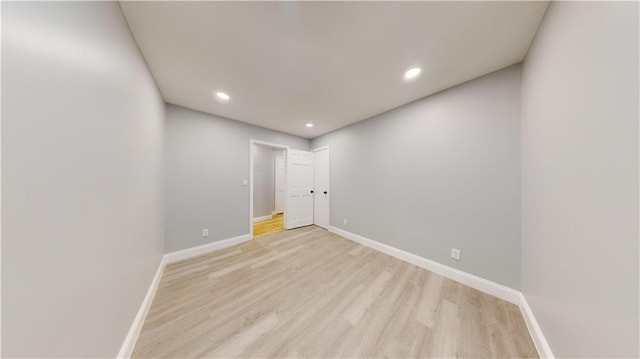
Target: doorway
{"type": "Point", "coordinates": [288, 188]}
{"type": "Point", "coordinates": [267, 197]}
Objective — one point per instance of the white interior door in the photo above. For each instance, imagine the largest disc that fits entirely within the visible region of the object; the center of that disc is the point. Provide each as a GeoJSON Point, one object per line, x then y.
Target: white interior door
{"type": "Point", "coordinates": [321, 188]}
{"type": "Point", "coordinates": [280, 163]}
{"type": "Point", "coordinates": [299, 189]}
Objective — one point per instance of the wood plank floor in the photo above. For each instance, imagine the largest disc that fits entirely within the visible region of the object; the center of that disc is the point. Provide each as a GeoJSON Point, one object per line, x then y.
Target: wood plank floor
{"type": "Point", "coordinates": [310, 293]}
{"type": "Point", "coordinates": [275, 224]}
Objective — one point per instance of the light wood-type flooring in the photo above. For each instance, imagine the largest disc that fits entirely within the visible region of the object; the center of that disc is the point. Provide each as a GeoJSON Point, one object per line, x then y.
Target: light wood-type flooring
{"type": "Point", "coordinates": [310, 293]}
{"type": "Point", "coordinates": [275, 224]}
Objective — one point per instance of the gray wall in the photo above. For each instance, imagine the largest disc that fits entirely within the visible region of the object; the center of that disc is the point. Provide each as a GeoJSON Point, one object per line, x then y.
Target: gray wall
{"type": "Point", "coordinates": [580, 179]}
{"type": "Point", "coordinates": [438, 173]}
{"type": "Point", "coordinates": [264, 199]}
{"type": "Point", "coordinates": [207, 157]}
{"type": "Point", "coordinates": [82, 139]}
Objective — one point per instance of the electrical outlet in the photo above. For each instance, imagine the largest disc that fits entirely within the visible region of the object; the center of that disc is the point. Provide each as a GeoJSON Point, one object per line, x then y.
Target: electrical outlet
{"type": "Point", "coordinates": [205, 232]}
{"type": "Point", "coordinates": [455, 254]}
{"type": "Point", "coordinates": [345, 222]}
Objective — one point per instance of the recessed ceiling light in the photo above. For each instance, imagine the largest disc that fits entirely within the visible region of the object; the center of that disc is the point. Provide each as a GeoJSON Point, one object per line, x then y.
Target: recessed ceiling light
{"type": "Point", "coordinates": [414, 72]}
{"type": "Point", "coordinates": [309, 125]}
{"type": "Point", "coordinates": [223, 96]}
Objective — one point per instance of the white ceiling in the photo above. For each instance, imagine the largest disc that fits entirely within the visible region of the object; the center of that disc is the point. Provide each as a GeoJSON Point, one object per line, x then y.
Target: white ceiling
{"type": "Point", "coordinates": [285, 64]}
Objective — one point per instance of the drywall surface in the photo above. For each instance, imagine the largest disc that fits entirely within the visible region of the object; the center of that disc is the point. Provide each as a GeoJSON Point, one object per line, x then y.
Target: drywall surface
{"type": "Point", "coordinates": [207, 159]}
{"type": "Point", "coordinates": [580, 179]}
{"type": "Point", "coordinates": [82, 186]}
{"type": "Point", "coordinates": [264, 199]}
{"type": "Point", "coordinates": [438, 173]}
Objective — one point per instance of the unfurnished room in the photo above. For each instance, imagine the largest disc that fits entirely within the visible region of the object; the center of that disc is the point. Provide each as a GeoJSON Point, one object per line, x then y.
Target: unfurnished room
{"type": "Point", "coordinates": [320, 179]}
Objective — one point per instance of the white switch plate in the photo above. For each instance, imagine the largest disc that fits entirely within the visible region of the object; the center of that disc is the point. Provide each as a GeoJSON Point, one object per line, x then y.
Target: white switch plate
{"type": "Point", "coordinates": [455, 254]}
{"type": "Point", "coordinates": [205, 232]}
{"type": "Point", "coordinates": [245, 182]}
{"type": "Point", "coordinates": [345, 222]}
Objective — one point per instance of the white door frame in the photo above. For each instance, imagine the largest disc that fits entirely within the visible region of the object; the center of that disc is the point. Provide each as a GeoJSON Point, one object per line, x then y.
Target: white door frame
{"type": "Point", "coordinates": [253, 142]}
{"type": "Point", "coordinates": [314, 163]}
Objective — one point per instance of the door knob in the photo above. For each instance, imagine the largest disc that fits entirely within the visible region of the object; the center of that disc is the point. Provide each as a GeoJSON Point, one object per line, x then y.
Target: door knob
{"type": "Point", "coordinates": [311, 191]}
{"type": "Point", "coordinates": [325, 192]}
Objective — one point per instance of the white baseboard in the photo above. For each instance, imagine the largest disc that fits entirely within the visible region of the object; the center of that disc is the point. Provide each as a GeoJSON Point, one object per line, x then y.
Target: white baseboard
{"type": "Point", "coordinates": [132, 337]}
{"type": "Point", "coordinates": [205, 248]}
{"type": "Point", "coordinates": [481, 284]}
{"type": "Point", "coordinates": [484, 285]}
{"type": "Point", "coordinates": [544, 350]}
{"type": "Point", "coordinates": [263, 218]}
